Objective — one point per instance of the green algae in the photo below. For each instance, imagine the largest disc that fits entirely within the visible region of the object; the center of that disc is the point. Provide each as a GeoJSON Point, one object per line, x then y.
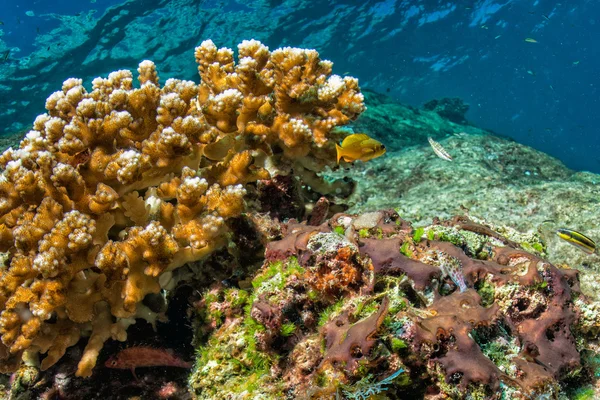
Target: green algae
{"type": "Point", "coordinates": [405, 249]}
{"type": "Point", "coordinates": [364, 307]}
{"type": "Point", "coordinates": [584, 393]}
{"type": "Point", "coordinates": [487, 291]}
{"type": "Point", "coordinates": [287, 329]}
{"type": "Point", "coordinates": [232, 354]}
{"type": "Point", "coordinates": [472, 242]}
{"type": "Point", "coordinates": [276, 275]}
{"type": "Point", "coordinates": [313, 295]}
{"type": "Point", "coordinates": [537, 248]}
{"type": "Point", "coordinates": [321, 379]}
{"type": "Point", "coordinates": [236, 298]}
{"type": "Point", "coordinates": [339, 230]}
{"type": "Point", "coordinates": [430, 234]}
{"type": "Point", "coordinates": [398, 344]}
{"type": "Point", "coordinates": [363, 233]}
{"type": "Point", "coordinates": [375, 232]}
{"type": "Point", "coordinates": [540, 286]}
{"type": "Point", "coordinates": [330, 312]}
{"type": "Point", "coordinates": [418, 234]}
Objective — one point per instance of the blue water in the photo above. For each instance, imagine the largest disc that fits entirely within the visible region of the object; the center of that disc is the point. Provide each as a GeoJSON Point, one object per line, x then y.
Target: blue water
{"type": "Point", "coordinates": [543, 94]}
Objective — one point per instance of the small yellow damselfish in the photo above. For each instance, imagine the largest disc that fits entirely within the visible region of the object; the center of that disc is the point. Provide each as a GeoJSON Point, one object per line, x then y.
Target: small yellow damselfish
{"type": "Point", "coordinates": [577, 239]}
{"type": "Point", "coordinates": [359, 146]}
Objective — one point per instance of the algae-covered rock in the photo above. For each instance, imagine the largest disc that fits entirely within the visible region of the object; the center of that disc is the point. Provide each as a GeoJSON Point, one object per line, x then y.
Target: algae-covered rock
{"type": "Point", "coordinates": [510, 186]}
{"type": "Point", "coordinates": [349, 316]}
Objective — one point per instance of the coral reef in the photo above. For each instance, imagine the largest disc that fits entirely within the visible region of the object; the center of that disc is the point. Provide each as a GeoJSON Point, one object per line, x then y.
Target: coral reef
{"type": "Point", "coordinates": [121, 197]}
{"type": "Point", "coordinates": [510, 186]}
{"type": "Point", "coordinates": [115, 189]}
{"type": "Point", "coordinates": [360, 305]}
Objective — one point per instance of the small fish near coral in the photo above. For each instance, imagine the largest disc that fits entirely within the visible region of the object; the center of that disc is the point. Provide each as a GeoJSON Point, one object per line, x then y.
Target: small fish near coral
{"type": "Point", "coordinates": [439, 150]}
{"type": "Point", "coordinates": [577, 239]}
{"type": "Point", "coordinates": [452, 267]}
{"type": "Point", "coordinates": [142, 356]}
{"type": "Point", "coordinates": [359, 146]}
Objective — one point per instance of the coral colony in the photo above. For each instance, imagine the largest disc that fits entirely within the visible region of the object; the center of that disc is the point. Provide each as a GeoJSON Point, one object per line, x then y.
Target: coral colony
{"type": "Point", "coordinates": [115, 189]}
{"type": "Point", "coordinates": [125, 192]}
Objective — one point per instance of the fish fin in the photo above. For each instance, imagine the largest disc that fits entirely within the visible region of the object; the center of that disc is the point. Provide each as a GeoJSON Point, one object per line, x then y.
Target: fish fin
{"type": "Point", "coordinates": [134, 375]}
{"type": "Point", "coordinates": [370, 142]}
{"type": "Point", "coordinates": [367, 150]}
{"type": "Point", "coordinates": [354, 138]}
{"type": "Point", "coordinates": [339, 152]}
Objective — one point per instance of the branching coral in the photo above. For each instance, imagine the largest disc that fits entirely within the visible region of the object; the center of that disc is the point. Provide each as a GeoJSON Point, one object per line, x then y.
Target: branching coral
{"type": "Point", "coordinates": [115, 188]}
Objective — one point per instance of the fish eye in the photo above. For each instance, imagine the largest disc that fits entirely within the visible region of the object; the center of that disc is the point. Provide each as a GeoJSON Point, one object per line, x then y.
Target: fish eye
{"type": "Point", "coordinates": [383, 146]}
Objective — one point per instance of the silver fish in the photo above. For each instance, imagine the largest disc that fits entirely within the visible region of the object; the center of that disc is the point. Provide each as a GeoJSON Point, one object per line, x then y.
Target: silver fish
{"type": "Point", "coordinates": [439, 150]}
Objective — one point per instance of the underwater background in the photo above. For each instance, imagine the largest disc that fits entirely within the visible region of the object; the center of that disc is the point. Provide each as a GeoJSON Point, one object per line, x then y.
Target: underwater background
{"type": "Point", "coordinates": [543, 93]}
{"type": "Point", "coordinates": [402, 204]}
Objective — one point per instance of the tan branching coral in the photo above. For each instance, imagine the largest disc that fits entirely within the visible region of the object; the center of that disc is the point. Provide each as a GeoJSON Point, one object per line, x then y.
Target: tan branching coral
{"type": "Point", "coordinates": [115, 188]}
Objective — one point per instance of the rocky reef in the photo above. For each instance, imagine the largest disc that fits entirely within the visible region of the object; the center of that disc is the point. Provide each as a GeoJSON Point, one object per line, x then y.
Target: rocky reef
{"type": "Point", "coordinates": [452, 109]}
{"type": "Point", "coordinates": [365, 305]}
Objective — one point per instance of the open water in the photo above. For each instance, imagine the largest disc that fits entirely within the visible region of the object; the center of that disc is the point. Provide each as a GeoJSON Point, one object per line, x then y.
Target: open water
{"type": "Point", "coordinates": [527, 68]}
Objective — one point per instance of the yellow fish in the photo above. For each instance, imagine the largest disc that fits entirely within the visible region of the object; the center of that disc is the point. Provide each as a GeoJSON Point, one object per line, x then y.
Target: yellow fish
{"type": "Point", "coordinates": [577, 239]}
{"type": "Point", "coordinates": [359, 146]}
{"type": "Point", "coordinates": [530, 40]}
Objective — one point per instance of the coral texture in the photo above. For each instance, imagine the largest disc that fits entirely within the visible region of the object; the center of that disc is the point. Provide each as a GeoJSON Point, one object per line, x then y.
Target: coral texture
{"type": "Point", "coordinates": [116, 188]}
{"type": "Point", "coordinates": [362, 304]}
